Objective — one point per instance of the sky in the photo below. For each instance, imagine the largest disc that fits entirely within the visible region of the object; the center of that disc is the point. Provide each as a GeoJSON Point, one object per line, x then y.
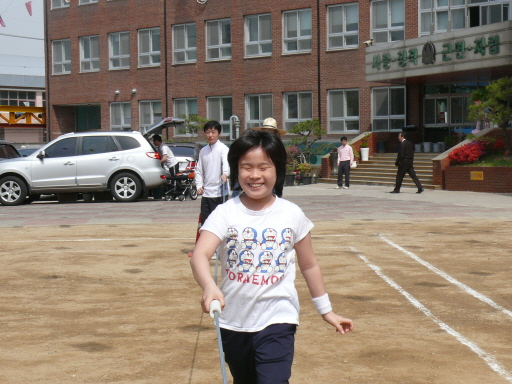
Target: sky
{"type": "Point", "coordinates": [25, 30]}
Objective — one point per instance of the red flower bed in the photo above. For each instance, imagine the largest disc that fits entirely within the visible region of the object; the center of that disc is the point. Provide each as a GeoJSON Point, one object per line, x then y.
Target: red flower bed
{"type": "Point", "coordinates": [468, 153]}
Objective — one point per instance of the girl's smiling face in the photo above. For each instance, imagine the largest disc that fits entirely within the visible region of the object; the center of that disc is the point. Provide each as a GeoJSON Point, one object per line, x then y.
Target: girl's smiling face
{"type": "Point", "coordinates": [257, 177]}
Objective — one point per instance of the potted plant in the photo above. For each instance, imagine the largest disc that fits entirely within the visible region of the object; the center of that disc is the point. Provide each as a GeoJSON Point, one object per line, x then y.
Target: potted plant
{"type": "Point", "coordinates": [292, 151]}
{"type": "Point", "coordinates": [305, 172]}
{"type": "Point", "coordinates": [365, 151]}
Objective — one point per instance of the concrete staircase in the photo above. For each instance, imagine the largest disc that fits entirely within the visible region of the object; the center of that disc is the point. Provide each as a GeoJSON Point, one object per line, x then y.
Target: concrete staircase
{"type": "Point", "coordinates": [381, 170]}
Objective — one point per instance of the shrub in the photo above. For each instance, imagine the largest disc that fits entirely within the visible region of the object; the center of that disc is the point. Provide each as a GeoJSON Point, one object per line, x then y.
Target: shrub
{"type": "Point", "coordinates": [468, 153]}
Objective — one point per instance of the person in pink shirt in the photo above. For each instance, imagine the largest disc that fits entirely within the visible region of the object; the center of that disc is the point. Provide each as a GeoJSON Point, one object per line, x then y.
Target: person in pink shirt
{"type": "Point", "coordinates": [345, 158]}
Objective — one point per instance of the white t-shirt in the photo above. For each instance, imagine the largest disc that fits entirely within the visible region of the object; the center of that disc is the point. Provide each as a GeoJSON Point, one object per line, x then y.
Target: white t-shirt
{"type": "Point", "coordinates": [171, 160]}
{"type": "Point", "coordinates": [212, 163]}
{"type": "Point", "coordinates": [257, 260]}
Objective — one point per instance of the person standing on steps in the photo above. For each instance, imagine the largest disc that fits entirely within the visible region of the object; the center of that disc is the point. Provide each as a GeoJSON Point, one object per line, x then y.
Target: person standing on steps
{"type": "Point", "coordinates": [404, 162]}
{"type": "Point", "coordinates": [345, 158]}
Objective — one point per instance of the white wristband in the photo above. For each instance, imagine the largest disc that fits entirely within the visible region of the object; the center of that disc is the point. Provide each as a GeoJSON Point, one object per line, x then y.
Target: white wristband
{"type": "Point", "coordinates": [322, 304]}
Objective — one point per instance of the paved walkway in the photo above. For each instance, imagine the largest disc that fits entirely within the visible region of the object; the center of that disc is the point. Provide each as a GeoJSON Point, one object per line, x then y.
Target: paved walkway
{"type": "Point", "coordinates": [319, 202]}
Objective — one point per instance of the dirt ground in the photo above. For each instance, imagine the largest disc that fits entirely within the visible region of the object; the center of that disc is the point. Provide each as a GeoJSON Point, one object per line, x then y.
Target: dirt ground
{"type": "Point", "coordinates": [118, 304]}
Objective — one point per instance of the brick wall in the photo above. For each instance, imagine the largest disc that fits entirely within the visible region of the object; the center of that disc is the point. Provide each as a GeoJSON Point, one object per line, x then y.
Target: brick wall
{"type": "Point", "coordinates": [277, 74]}
{"type": "Point", "coordinates": [495, 179]}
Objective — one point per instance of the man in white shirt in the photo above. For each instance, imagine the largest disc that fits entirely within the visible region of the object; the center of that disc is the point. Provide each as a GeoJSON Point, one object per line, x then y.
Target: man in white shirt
{"type": "Point", "coordinates": [345, 158]}
{"type": "Point", "coordinates": [167, 159]}
{"type": "Point", "coordinates": [212, 171]}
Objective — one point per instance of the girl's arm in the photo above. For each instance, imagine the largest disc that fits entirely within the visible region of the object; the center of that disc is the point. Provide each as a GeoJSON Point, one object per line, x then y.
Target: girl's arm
{"type": "Point", "coordinates": [200, 263]}
{"type": "Point", "coordinates": [314, 279]}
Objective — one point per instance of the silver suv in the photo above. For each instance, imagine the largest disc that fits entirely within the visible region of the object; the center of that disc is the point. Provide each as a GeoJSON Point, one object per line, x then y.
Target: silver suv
{"type": "Point", "coordinates": [124, 163]}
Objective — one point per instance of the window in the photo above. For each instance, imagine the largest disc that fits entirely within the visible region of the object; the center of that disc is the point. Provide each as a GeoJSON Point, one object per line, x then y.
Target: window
{"type": "Point", "coordinates": [87, 1]}
{"type": "Point", "coordinates": [120, 116]}
{"type": "Point", "coordinates": [439, 16]}
{"type": "Point", "coordinates": [184, 108]}
{"type": "Point", "coordinates": [220, 109]}
{"type": "Point", "coordinates": [388, 18]}
{"type": "Point", "coordinates": [149, 47]}
{"type": "Point", "coordinates": [298, 107]}
{"type": "Point", "coordinates": [343, 26]}
{"type": "Point", "coordinates": [297, 31]}
{"type": "Point", "coordinates": [60, 4]}
{"type": "Point", "coordinates": [89, 54]}
{"type": "Point", "coordinates": [127, 142]}
{"type": "Point", "coordinates": [61, 52]}
{"type": "Point", "coordinates": [119, 50]}
{"type": "Point", "coordinates": [184, 43]}
{"type": "Point", "coordinates": [388, 108]}
{"type": "Point", "coordinates": [150, 113]}
{"type": "Point", "coordinates": [258, 35]}
{"type": "Point", "coordinates": [18, 98]}
{"type": "Point", "coordinates": [343, 110]}
{"type": "Point", "coordinates": [62, 148]}
{"type": "Point", "coordinates": [446, 110]}
{"type": "Point", "coordinates": [488, 12]}
{"type": "Point", "coordinates": [92, 145]}
{"type": "Point", "coordinates": [218, 40]}
{"type": "Point", "coordinates": [258, 108]}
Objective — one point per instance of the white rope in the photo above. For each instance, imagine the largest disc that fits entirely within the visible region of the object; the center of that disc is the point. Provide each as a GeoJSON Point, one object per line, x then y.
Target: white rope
{"type": "Point", "coordinates": [202, 1]}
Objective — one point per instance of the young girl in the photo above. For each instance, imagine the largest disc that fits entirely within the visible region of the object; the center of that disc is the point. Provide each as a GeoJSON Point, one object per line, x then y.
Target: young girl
{"type": "Point", "coordinates": [262, 237]}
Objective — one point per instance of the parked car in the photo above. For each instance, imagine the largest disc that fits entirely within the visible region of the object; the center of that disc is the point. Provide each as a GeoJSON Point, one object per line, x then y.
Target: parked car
{"type": "Point", "coordinates": [8, 151]}
{"type": "Point", "coordinates": [186, 154]}
{"type": "Point", "coordinates": [122, 162]}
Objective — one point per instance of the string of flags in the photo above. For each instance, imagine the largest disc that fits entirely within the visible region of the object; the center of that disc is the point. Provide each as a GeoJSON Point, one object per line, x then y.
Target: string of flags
{"type": "Point", "coordinates": [28, 5]}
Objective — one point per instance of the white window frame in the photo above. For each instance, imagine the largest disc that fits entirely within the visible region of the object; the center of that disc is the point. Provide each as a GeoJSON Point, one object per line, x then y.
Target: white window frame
{"type": "Point", "coordinates": [260, 44]}
{"type": "Point", "coordinates": [343, 118]}
{"type": "Point", "coordinates": [189, 52]}
{"type": "Point", "coordinates": [186, 104]}
{"type": "Point", "coordinates": [389, 117]}
{"type": "Point", "coordinates": [344, 35]}
{"type": "Point", "coordinates": [431, 11]}
{"type": "Point", "coordinates": [223, 121]}
{"type": "Point", "coordinates": [487, 4]}
{"type": "Point", "coordinates": [221, 47]}
{"type": "Point", "coordinates": [124, 112]}
{"type": "Point", "coordinates": [65, 61]}
{"type": "Point", "coordinates": [152, 104]}
{"type": "Point", "coordinates": [82, 2]}
{"type": "Point", "coordinates": [92, 62]}
{"type": "Point", "coordinates": [152, 56]}
{"type": "Point", "coordinates": [289, 122]}
{"type": "Point", "coordinates": [389, 30]}
{"type": "Point", "coordinates": [123, 55]}
{"type": "Point", "coordinates": [56, 4]}
{"type": "Point", "coordinates": [302, 39]}
{"type": "Point", "coordinates": [252, 121]}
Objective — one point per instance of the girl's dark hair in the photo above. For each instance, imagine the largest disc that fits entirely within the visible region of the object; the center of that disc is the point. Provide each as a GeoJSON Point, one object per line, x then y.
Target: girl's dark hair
{"type": "Point", "coordinates": [271, 145]}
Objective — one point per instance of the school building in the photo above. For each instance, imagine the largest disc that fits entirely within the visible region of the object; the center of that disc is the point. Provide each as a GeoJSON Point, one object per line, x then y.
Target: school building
{"type": "Point", "coordinates": [378, 66]}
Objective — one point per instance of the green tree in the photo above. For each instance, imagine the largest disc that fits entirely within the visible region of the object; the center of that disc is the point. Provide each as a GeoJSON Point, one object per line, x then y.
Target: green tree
{"type": "Point", "coordinates": [309, 132]}
{"type": "Point", "coordinates": [192, 124]}
{"type": "Point", "coordinates": [494, 104]}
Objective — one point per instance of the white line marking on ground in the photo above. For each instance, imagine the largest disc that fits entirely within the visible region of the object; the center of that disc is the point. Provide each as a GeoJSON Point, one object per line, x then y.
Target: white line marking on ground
{"type": "Point", "coordinates": [80, 240]}
{"type": "Point", "coordinates": [340, 235]}
{"type": "Point", "coordinates": [488, 358]}
{"type": "Point", "coordinates": [452, 280]}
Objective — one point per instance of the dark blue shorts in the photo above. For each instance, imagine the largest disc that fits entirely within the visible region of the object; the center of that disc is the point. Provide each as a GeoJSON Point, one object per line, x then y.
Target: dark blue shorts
{"type": "Point", "coordinates": [263, 357]}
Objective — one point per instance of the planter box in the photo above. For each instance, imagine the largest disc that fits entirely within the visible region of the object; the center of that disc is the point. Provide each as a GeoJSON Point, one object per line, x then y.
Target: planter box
{"type": "Point", "coordinates": [479, 179]}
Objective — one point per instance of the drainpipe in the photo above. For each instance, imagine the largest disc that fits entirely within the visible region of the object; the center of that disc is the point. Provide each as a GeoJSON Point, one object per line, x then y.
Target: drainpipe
{"type": "Point", "coordinates": [166, 87]}
{"type": "Point", "coordinates": [237, 127]}
{"type": "Point", "coordinates": [47, 135]}
{"type": "Point", "coordinates": [318, 60]}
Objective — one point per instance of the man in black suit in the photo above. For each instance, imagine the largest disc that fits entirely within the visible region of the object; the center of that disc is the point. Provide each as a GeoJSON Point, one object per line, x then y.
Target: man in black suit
{"type": "Point", "coordinates": [404, 162]}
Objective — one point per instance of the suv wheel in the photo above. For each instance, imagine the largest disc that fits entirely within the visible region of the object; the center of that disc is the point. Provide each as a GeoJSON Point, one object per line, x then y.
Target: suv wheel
{"type": "Point", "coordinates": [13, 191]}
{"type": "Point", "coordinates": [125, 187]}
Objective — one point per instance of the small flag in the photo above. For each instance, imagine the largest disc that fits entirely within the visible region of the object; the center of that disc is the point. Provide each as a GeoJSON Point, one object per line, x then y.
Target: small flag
{"type": "Point", "coordinates": [2, 24]}
{"type": "Point", "coordinates": [28, 4]}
